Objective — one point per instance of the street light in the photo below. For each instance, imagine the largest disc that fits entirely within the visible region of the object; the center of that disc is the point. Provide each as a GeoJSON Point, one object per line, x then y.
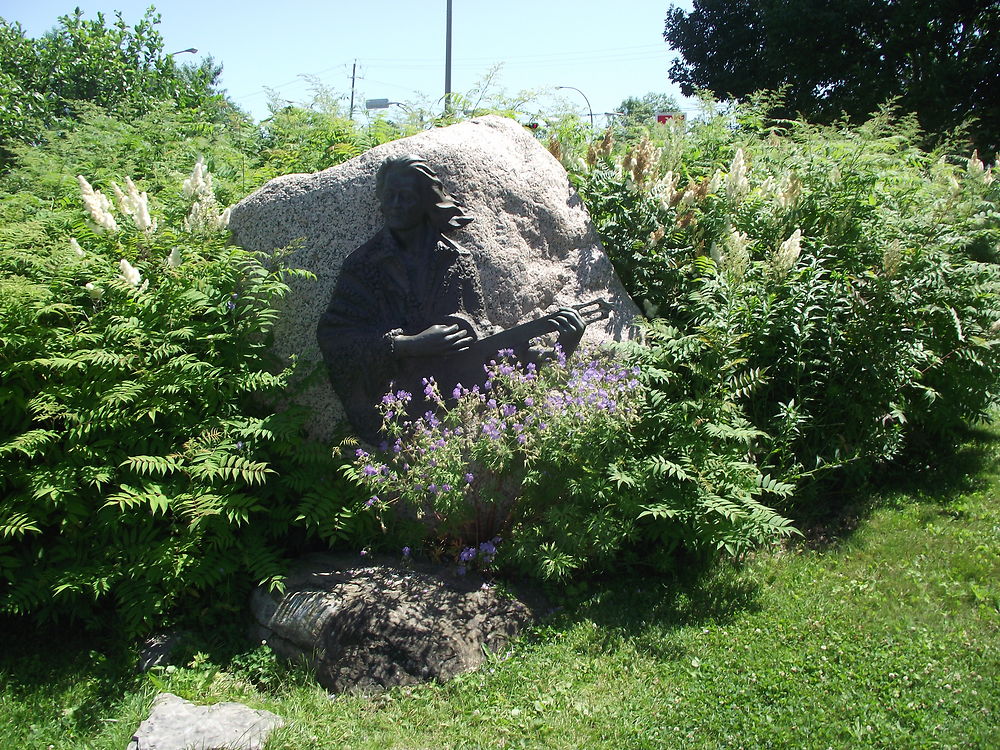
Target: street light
{"type": "Point", "coordinates": [383, 104]}
{"type": "Point", "coordinates": [585, 99]}
{"type": "Point", "coordinates": [192, 50]}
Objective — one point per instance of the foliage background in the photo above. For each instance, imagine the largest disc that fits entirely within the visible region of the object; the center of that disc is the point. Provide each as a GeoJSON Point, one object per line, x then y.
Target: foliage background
{"type": "Point", "coordinates": [821, 299]}
{"type": "Point", "coordinates": [938, 60]}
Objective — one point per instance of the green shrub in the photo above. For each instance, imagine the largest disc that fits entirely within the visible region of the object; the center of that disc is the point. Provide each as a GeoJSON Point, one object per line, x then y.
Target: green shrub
{"type": "Point", "coordinates": [577, 466]}
{"type": "Point", "coordinates": [121, 70]}
{"type": "Point", "coordinates": [854, 271]}
{"type": "Point", "coordinates": [140, 459]}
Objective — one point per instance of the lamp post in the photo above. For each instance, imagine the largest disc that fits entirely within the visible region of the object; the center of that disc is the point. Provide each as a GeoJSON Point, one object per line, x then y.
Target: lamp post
{"type": "Point", "coordinates": [589, 108]}
{"type": "Point", "coordinates": [192, 50]}
{"type": "Point", "coordinates": [447, 61]}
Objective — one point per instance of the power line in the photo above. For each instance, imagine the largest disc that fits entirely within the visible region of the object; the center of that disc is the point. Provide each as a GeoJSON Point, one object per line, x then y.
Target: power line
{"type": "Point", "coordinates": [554, 59]}
{"type": "Point", "coordinates": [540, 56]}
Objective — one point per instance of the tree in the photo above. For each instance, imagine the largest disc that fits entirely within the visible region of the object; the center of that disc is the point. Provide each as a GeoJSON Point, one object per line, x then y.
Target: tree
{"type": "Point", "coordinates": [122, 70]}
{"type": "Point", "coordinates": [642, 110]}
{"type": "Point", "coordinates": [941, 58]}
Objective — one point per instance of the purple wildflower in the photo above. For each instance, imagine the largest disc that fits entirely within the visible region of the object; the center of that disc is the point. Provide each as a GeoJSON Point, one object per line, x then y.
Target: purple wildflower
{"type": "Point", "coordinates": [469, 478]}
{"type": "Point", "coordinates": [468, 554]}
{"type": "Point", "coordinates": [406, 551]}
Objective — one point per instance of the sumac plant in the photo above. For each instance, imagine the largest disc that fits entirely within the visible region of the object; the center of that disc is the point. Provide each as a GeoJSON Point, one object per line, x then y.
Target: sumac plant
{"type": "Point", "coordinates": [140, 463]}
{"type": "Point", "coordinates": [854, 271]}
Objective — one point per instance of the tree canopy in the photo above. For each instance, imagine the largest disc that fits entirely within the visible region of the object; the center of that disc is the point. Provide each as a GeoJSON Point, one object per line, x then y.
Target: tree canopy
{"type": "Point", "coordinates": [642, 110]}
{"type": "Point", "coordinates": [121, 69]}
{"type": "Point", "coordinates": [941, 58]}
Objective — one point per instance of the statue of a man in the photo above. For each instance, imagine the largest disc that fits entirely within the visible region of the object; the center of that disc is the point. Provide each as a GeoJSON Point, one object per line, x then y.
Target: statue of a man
{"type": "Point", "coordinates": [409, 301]}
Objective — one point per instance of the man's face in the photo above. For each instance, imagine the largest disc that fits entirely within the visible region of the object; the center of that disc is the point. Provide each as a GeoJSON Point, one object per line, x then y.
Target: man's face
{"type": "Point", "coordinates": [401, 201]}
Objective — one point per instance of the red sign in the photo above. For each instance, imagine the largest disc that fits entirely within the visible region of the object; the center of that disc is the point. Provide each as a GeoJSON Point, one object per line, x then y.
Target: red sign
{"type": "Point", "coordinates": [664, 117]}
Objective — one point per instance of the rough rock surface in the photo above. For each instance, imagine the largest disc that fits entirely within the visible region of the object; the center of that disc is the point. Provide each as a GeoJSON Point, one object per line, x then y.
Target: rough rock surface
{"type": "Point", "coordinates": [532, 238]}
{"type": "Point", "coordinates": [177, 724]}
{"type": "Point", "coordinates": [157, 650]}
{"type": "Point", "coordinates": [367, 625]}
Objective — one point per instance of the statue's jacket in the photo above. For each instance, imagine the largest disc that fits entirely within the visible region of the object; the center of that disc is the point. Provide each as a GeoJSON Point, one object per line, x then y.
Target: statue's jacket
{"type": "Point", "coordinates": [383, 291]}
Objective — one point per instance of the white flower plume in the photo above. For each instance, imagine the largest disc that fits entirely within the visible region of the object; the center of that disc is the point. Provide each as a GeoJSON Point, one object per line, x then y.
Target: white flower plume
{"type": "Point", "coordinates": [135, 204]}
{"type": "Point", "coordinates": [199, 184]}
{"type": "Point", "coordinates": [788, 252]}
{"type": "Point", "coordinates": [737, 184]}
{"type": "Point", "coordinates": [99, 207]}
{"type": "Point", "coordinates": [129, 273]}
{"type": "Point", "coordinates": [204, 215]}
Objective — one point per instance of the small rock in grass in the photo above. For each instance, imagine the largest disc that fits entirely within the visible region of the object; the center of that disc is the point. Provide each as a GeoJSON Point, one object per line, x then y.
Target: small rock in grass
{"type": "Point", "coordinates": [177, 724]}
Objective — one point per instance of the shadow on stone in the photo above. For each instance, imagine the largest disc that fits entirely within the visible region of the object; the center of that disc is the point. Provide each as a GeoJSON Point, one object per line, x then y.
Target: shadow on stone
{"type": "Point", "coordinates": [368, 625]}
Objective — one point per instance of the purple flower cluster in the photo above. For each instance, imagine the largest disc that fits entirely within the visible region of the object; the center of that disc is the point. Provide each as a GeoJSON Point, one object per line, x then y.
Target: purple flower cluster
{"type": "Point", "coordinates": [519, 417]}
{"type": "Point", "coordinates": [482, 556]}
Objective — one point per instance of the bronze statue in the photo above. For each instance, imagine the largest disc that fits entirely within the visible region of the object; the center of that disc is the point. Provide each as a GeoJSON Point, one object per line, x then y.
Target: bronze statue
{"type": "Point", "coordinates": [409, 304]}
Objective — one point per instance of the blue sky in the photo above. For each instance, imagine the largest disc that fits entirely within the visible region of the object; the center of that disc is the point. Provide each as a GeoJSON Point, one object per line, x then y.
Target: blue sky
{"type": "Point", "coordinates": [607, 50]}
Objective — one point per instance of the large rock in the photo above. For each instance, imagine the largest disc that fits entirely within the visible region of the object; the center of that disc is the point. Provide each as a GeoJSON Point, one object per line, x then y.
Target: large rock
{"type": "Point", "coordinates": [365, 625]}
{"type": "Point", "coordinates": [177, 724]}
{"type": "Point", "coordinates": [532, 238]}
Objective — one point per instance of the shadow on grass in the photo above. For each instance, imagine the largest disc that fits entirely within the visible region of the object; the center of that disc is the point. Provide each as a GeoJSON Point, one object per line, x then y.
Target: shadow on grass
{"type": "Point", "coordinates": [829, 513]}
{"type": "Point", "coordinates": [647, 613]}
{"type": "Point", "coordinates": [643, 612]}
{"type": "Point", "coordinates": [60, 668]}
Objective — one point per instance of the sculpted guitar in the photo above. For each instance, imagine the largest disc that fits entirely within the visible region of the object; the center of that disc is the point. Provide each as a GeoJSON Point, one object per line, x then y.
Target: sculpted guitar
{"type": "Point", "coordinates": [467, 367]}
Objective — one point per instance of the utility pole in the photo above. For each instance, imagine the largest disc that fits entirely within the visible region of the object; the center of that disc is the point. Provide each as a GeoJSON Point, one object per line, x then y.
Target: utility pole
{"type": "Point", "coordinates": [447, 62]}
{"type": "Point", "coordinates": [354, 70]}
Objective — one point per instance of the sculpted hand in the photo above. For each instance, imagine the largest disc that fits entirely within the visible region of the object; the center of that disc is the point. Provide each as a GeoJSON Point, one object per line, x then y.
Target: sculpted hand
{"type": "Point", "coordinates": [435, 340]}
{"type": "Point", "coordinates": [570, 326]}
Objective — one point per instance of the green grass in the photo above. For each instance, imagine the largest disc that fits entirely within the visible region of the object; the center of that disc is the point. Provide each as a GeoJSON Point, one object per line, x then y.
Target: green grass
{"type": "Point", "coordinates": [880, 629]}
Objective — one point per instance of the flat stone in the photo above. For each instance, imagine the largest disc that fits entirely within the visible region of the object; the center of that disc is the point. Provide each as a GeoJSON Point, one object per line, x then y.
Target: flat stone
{"type": "Point", "coordinates": [369, 626]}
{"type": "Point", "coordinates": [532, 239]}
{"type": "Point", "coordinates": [177, 724]}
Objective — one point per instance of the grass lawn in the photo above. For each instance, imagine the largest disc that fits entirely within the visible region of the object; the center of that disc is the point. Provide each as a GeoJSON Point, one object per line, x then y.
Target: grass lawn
{"type": "Point", "coordinates": [880, 629]}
